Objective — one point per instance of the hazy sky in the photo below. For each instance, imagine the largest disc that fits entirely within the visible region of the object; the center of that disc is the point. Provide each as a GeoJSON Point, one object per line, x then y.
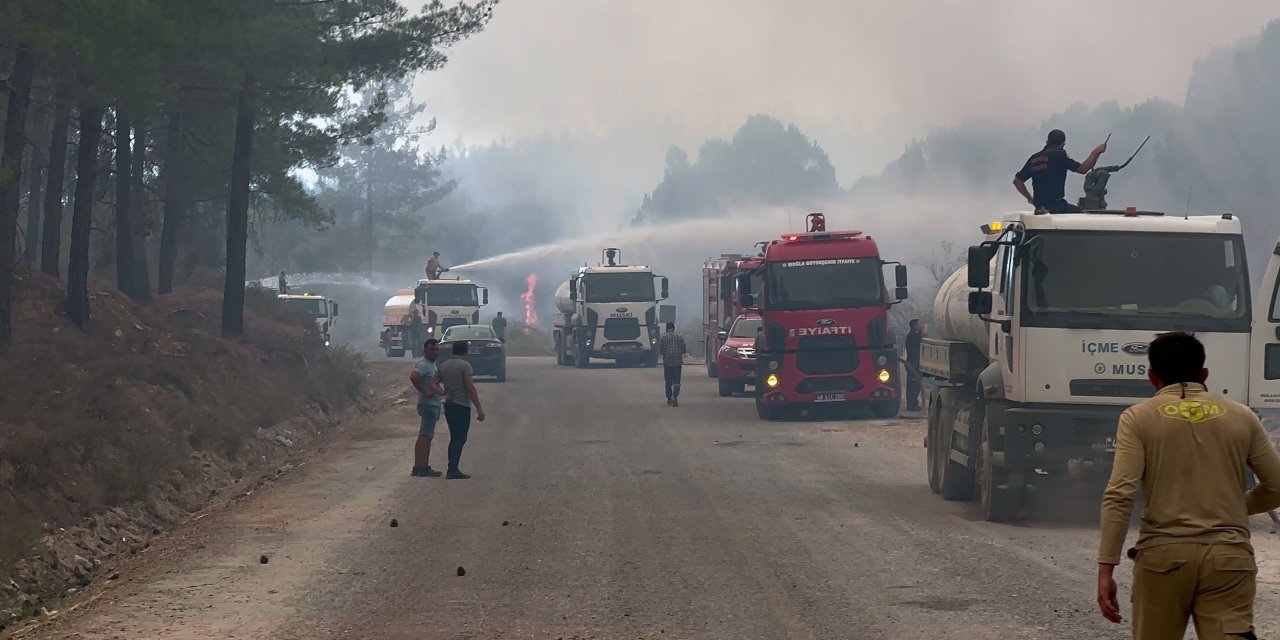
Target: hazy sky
{"type": "Point", "coordinates": [877, 72]}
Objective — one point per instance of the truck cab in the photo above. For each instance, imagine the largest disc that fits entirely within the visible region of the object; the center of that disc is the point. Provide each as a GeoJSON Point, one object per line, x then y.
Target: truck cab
{"type": "Point", "coordinates": [825, 335]}
{"type": "Point", "coordinates": [323, 311]}
{"type": "Point", "coordinates": [449, 303]}
{"type": "Point", "coordinates": [609, 311]}
{"type": "Point", "coordinates": [1045, 334]}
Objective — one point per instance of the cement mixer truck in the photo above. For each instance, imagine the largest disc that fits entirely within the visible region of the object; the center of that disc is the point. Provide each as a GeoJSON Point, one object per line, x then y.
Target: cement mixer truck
{"type": "Point", "coordinates": [1042, 340]}
{"type": "Point", "coordinates": [609, 312]}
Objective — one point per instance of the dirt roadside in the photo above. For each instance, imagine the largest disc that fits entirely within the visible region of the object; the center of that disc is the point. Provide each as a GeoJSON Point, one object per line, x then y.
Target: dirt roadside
{"type": "Point", "coordinates": [203, 528]}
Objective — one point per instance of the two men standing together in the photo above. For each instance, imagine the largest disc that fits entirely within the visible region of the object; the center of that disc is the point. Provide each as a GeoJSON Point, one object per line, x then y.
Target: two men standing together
{"type": "Point", "coordinates": [449, 389]}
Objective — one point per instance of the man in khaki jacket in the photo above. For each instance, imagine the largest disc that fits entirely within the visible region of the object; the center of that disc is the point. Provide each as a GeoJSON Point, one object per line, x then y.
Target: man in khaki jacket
{"type": "Point", "coordinates": [1188, 450]}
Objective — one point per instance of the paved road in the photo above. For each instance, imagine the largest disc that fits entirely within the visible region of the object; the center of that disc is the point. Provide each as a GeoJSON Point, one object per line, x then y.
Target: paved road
{"type": "Point", "coordinates": [596, 511]}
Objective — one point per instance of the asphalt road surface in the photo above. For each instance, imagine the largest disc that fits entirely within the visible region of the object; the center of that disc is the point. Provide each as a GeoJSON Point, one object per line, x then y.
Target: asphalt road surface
{"type": "Point", "coordinates": [596, 511]}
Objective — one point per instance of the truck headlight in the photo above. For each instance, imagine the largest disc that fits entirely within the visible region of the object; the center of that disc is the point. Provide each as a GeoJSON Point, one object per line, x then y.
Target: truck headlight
{"type": "Point", "coordinates": [772, 381]}
{"type": "Point", "coordinates": [883, 376]}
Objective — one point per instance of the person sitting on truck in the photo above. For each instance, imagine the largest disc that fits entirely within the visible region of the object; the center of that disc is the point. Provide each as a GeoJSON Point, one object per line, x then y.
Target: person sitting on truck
{"type": "Point", "coordinates": [1047, 170]}
{"type": "Point", "coordinates": [1188, 450]}
{"type": "Point", "coordinates": [283, 284]}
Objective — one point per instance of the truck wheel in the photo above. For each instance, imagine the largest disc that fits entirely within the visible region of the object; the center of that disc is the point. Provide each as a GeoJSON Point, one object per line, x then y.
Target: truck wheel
{"type": "Point", "coordinates": [713, 369]}
{"type": "Point", "coordinates": [651, 360]}
{"type": "Point", "coordinates": [997, 501]}
{"type": "Point", "coordinates": [933, 450]}
{"type": "Point", "coordinates": [580, 358]}
{"type": "Point", "coordinates": [956, 480]}
{"type": "Point", "coordinates": [726, 388]}
{"type": "Point", "coordinates": [887, 409]}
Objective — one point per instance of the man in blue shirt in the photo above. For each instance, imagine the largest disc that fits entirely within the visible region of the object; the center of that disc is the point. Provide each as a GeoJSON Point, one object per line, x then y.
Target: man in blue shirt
{"type": "Point", "coordinates": [1047, 170]}
{"type": "Point", "coordinates": [423, 379]}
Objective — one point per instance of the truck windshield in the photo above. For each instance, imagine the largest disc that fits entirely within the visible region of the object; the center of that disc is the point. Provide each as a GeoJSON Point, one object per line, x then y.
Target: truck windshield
{"type": "Point", "coordinates": [823, 284]}
{"type": "Point", "coordinates": [452, 295]}
{"type": "Point", "coordinates": [619, 287]}
{"type": "Point", "coordinates": [314, 307]}
{"type": "Point", "coordinates": [1156, 281]}
{"type": "Point", "coordinates": [745, 328]}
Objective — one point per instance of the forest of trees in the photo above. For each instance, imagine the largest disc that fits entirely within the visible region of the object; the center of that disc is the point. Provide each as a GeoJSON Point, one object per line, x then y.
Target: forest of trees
{"type": "Point", "coordinates": [171, 129]}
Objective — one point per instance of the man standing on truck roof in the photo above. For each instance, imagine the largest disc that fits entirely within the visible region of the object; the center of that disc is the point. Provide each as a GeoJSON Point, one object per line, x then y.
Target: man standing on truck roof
{"type": "Point", "coordinates": [282, 284]}
{"type": "Point", "coordinates": [423, 379]}
{"type": "Point", "coordinates": [1188, 450]}
{"type": "Point", "coordinates": [434, 269]}
{"type": "Point", "coordinates": [499, 325]}
{"type": "Point", "coordinates": [913, 363]}
{"type": "Point", "coordinates": [672, 348]}
{"type": "Point", "coordinates": [1047, 170]}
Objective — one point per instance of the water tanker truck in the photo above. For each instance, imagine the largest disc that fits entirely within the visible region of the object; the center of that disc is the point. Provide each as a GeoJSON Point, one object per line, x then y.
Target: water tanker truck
{"type": "Point", "coordinates": [1042, 340]}
{"type": "Point", "coordinates": [437, 305]}
{"type": "Point", "coordinates": [609, 312]}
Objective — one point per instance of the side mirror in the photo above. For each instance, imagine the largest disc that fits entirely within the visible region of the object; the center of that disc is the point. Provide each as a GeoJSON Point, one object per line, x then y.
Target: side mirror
{"type": "Point", "coordinates": [573, 290]}
{"type": "Point", "coordinates": [900, 293]}
{"type": "Point", "coordinates": [900, 274]}
{"type": "Point", "coordinates": [980, 267]}
{"type": "Point", "coordinates": [980, 303]}
{"type": "Point", "coordinates": [747, 300]}
{"type": "Point", "coordinates": [722, 335]}
{"type": "Point", "coordinates": [334, 305]}
{"type": "Point", "coordinates": [485, 296]}
{"type": "Point", "coordinates": [726, 287]}
{"type": "Point", "coordinates": [664, 289]}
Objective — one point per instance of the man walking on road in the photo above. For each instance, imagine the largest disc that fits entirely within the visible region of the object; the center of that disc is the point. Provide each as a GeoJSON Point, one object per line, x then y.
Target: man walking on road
{"type": "Point", "coordinates": [423, 379]}
{"type": "Point", "coordinates": [455, 375]}
{"type": "Point", "coordinates": [913, 363]}
{"type": "Point", "coordinates": [672, 348]}
{"type": "Point", "coordinates": [1188, 450]}
{"type": "Point", "coordinates": [499, 325]}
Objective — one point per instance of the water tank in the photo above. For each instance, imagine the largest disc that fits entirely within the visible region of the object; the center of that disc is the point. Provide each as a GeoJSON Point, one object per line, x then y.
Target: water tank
{"type": "Point", "coordinates": [951, 317]}
{"type": "Point", "coordinates": [398, 305]}
{"type": "Point", "coordinates": [563, 303]}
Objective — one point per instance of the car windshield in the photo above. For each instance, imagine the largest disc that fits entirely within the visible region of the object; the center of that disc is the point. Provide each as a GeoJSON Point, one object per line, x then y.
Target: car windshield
{"type": "Point", "coordinates": [745, 328]}
{"type": "Point", "coordinates": [469, 332]}
{"type": "Point", "coordinates": [314, 307]}
{"type": "Point", "coordinates": [823, 284]}
{"type": "Point", "coordinates": [1136, 280]}
{"type": "Point", "coordinates": [619, 287]}
{"type": "Point", "coordinates": [452, 295]}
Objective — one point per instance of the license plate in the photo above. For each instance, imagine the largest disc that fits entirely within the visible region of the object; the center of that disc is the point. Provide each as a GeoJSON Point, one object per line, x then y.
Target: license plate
{"type": "Point", "coordinates": [828, 397]}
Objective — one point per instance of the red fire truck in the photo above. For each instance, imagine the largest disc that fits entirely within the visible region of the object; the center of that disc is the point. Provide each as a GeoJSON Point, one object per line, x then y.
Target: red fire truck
{"type": "Point", "coordinates": [825, 311]}
{"type": "Point", "coordinates": [720, 301]}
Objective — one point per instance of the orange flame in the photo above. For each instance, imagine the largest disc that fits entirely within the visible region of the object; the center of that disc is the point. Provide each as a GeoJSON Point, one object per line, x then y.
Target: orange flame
{"type": "Point", "coordinates": [530, 314]}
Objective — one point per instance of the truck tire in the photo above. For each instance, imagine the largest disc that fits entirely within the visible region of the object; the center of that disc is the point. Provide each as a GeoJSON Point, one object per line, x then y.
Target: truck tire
{"type": "Point", "coordinates": [580, 358]}
{"type": "Point", "coordinates": [956, 480]}
{"type": "Point", "coordinates": [887, 409]}
{"type": "Point", "coordinates": [651, 360]}
{"type": "Point", "coordinates": [726, 388]}
{"type": "Point", "coordinates": [713, 368]}
{"type": "Point", "coordinates": [997, 502]}
{"type": "Point", "coordinates": [933, 448]}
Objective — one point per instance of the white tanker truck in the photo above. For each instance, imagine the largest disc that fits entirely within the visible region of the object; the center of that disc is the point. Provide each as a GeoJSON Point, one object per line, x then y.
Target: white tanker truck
{"type": "Point", "coordinates": [1042, 340]}
{"type": "Point", "coordinates": [608, 312]}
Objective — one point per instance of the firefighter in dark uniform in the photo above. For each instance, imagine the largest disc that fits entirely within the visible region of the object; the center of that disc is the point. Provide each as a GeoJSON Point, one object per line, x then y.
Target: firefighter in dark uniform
{"type": "Point", "coordinates": [1047, 170]}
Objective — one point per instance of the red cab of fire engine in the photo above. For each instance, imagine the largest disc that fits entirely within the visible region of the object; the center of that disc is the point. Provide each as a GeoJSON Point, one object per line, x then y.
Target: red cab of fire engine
{"type": "Point", "coordinates": [824, 309]}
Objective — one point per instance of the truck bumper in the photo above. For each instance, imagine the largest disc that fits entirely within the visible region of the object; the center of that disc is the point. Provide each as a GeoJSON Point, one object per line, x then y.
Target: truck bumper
{"type": "Point", "coordinates": [1057, 440]}
{"type": "Point", "coordinates": [737, 370]}
{"type": "Point", "coordinates": [861, 386]}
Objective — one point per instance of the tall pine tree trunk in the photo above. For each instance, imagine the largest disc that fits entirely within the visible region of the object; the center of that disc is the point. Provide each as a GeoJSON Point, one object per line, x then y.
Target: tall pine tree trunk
{"type": "Point", "coordinates": [124, 206]}
{"type": "Point", "coordinates": [174, 203]}
{"type": "Point", "coordinates": [140, 275]}
{"type": "Point", "coordinates": [15, 140]}
{"type": "Point", "coordinates": [238, 215]}
{"type": "Point", "coordinates": [82, 215]}
{"type": "Point", "coordinates": [35, 181]}
{"type": "Point", "coordinates": [51, 240]}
